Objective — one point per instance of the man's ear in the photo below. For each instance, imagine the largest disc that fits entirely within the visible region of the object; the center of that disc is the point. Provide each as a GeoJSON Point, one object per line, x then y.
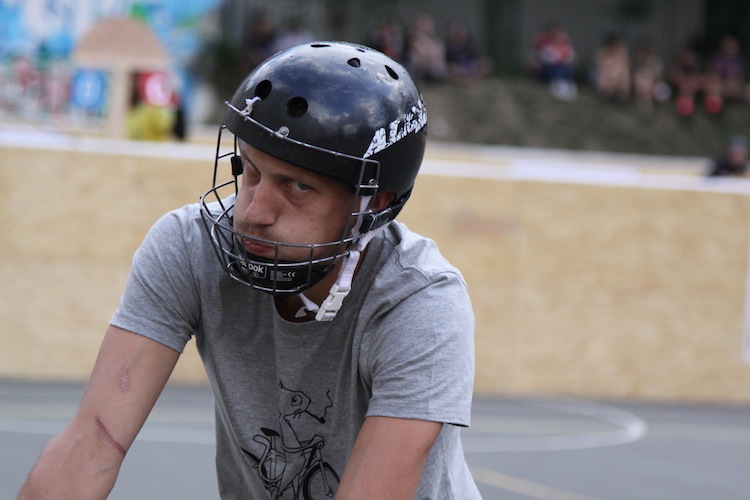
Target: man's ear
{"type": "Point", "coordinates": [382, 200]}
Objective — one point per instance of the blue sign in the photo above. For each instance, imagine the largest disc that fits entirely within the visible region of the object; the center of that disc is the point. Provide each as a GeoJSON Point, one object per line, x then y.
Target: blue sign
{"type": "Point", "coordinates": [89, 90]}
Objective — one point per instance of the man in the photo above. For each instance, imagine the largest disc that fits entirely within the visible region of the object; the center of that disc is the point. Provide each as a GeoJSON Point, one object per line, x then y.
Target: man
{"type": "Point", "coordinates": [338, 344]}
{"type": "Point", "coordinates": [733, 163]}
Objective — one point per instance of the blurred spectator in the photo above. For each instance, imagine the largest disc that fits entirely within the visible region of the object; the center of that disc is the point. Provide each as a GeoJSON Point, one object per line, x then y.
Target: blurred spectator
{"type": "Point", "coordinates": [686, 79]}
{"type": "Point", "coordinates": [56, 88]}
{"type": "Point", "coordinates": [147, 121]}
{"type": "Point", "coordinates": [553, 60]}
{"type": "Point", "coordinates": [294, 33]}
{"type": "Point", "coordinates": [726, 70]}
{"type": "Point", "coordinates": [25, 74]}
{"type": "Point", "coordinates": [425, 50]}
{"type": "Point", "coordinates": [389, 39]}
{"type": "Point", "coordinates": [179, 120]}
{"type": "Point", "coordinates": [24, 91]}
{"type": "Point", "coordinates": [612, 73]}
{"type": "Point", "coordinates": [259, 44]}
{"type": "Point", "coordinates": [464, 62]}
{"type": "Point", "coordinates": [648, 74]}
{"type": "Point", "coordinates": [733, 162]}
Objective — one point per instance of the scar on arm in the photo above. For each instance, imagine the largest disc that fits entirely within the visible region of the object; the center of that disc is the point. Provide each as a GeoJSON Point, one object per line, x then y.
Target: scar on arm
{"type": "Point", "coordinates": [108, 436]}
{"type": "Point", "coordinates": [124, 380]}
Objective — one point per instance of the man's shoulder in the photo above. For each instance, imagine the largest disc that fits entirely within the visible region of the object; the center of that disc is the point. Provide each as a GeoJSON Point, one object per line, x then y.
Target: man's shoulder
{"type": "Point", "coordinates": [179, 231]}
{"type": "Point", "coordinates": [180, 220]}
{"type": "Point", "coordinates": [413, 250]}
{"type": "Point", "coordinates": [409, 262]}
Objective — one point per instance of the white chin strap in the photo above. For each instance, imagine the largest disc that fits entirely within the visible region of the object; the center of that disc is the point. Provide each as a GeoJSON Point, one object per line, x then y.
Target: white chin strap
{"type": "Point", "coordinates": [343, 285]}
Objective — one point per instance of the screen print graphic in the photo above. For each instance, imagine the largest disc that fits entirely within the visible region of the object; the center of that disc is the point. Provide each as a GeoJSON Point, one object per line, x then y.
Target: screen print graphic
{"type": "Point", "coordinates": [291, 465]}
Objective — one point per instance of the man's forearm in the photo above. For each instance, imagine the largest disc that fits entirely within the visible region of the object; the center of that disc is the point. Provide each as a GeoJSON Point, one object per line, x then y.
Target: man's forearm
{"type": "Point", "coordinates": [74, 466]}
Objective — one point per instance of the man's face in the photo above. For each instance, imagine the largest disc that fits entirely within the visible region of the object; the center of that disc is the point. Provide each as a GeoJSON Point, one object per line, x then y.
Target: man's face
{"type": "Point", "coordinates": [281, 202]}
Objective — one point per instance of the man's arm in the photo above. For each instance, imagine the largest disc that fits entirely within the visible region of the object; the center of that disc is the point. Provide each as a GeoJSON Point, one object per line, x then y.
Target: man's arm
{"type": "Point", "coordinates": [388, 458]}
{"type": "Point", "coordinates": [83, 461]}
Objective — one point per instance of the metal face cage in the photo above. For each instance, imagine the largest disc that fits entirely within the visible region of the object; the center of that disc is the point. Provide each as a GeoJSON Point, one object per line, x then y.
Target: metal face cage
{"type": "Point", "coordinates": [275, 275]}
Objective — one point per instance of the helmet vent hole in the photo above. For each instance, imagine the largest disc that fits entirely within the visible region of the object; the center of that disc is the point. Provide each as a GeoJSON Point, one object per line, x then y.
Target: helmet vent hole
{"type": "Point", "coordinates": [296, 106]}
{"type": "Point", "coordinates": [263, 89]}
{"type": "Point", "coordinates": [354, 62]}
{"type": "Point", "coordinates": [392, 72]}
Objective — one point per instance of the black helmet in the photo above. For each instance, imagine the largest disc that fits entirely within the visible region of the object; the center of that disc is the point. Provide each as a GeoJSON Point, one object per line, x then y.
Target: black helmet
{"type": "Point", "coordinates": [330, 105]}
{"type": "Point", "coordinates": [339, 109]}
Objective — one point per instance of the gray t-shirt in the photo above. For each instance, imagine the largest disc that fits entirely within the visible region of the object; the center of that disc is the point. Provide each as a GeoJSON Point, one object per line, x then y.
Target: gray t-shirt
{"type": "Point", "coordinates": [291, 397]}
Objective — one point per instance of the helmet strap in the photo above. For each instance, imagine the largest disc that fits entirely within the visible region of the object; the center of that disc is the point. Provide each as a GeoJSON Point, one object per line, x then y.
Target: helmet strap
{"type": "Point", "coordinates": [343, 285]}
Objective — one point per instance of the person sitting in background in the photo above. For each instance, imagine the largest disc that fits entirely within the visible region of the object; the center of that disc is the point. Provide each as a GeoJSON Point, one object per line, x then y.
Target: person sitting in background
{"type": "Point", "coordinates": [686, 79]}
{"type": "Point", "coordinates": [733, 162]}
{"type": "Point", "coordinates": [464, 61]}
{"type": "Point", "coordinates": [147, 121]}
{"type": "Point", "coordinates": [259, 44]}
{"type": "Point", "coordinates": [725, 74]}
{"type": "Point", "coordinates": [648, 72]}
{"type": "Point", "coordinates": [612, 78]}
{"type": "Point", "coordinates": [426, 50]}
{"type": "Point", "coordinates": [389, 39]}
{"type": "Point", "coordinates": [554, 55]}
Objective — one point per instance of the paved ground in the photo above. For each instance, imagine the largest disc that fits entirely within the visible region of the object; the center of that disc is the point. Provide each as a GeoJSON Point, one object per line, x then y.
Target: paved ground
{"type": "Point", "coordinates": [518, 449]}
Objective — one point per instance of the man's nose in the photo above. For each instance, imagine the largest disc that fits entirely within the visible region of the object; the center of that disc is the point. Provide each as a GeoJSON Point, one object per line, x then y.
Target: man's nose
{"type": "Point", "coordinates": [262, 208]}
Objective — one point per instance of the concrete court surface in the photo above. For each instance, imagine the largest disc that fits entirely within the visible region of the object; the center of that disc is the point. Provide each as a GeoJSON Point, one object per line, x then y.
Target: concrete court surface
{"type": "Point", "coordinates": [517, 448]}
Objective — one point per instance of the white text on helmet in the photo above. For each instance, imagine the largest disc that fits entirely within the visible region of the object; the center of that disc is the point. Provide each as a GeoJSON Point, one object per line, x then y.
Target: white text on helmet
{"type": "Point", "coordinates": [411, 122]}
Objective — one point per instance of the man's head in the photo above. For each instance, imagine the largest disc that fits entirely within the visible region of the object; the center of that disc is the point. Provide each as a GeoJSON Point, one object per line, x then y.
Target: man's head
{"type": "Point", "coordinates": [339, 110]}
{"type": "Point", "coordinates": [737, 151]}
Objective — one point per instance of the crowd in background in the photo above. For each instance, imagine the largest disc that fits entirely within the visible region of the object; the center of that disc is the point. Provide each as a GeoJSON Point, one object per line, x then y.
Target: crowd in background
{"type": "Point", "coordinates": [618, 73]}
{"type": "Point", "coordinates": [624, 73]}
{"type": "Point", "coordinates": [31, 86]}
{"type": "Point", "coordinates": [638, 75]}
{"type": "Point", "coordinates": [430, 54]}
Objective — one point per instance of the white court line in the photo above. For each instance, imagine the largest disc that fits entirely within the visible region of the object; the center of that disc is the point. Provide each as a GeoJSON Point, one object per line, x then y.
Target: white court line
{"type": "Point", "coordinates": [522, 486]}
{"type": "Point", "coordinates": [629, 428]}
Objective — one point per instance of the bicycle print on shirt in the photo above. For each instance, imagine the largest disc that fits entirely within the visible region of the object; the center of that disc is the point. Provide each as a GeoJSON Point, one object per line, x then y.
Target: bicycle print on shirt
{"type": "Point", "coordinates": [290, 467]}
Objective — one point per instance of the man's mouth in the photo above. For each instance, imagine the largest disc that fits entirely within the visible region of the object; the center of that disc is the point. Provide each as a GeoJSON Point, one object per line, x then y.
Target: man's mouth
{"type": "Point", "coordinates": [256, 247]}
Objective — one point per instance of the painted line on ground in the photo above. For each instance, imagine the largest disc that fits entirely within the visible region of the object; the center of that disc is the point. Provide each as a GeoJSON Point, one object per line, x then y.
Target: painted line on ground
{"type": "Point", "coordinates": [522, 486]}
{"type": "Point", "coordinates": [628, 429]}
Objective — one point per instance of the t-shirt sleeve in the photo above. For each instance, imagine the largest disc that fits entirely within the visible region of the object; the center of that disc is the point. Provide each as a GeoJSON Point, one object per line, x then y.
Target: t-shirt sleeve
{"type": "Point", "coordinates": [421, 360]}
{"type": "Point", "coordinates": [160, 300]}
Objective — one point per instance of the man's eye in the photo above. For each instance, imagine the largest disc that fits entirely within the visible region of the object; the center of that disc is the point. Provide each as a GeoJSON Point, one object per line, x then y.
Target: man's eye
{"type": "Point", "coordinates": [300, 186]}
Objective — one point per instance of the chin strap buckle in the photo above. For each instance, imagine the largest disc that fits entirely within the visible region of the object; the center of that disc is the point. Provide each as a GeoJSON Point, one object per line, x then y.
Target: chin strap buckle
{"type": "Point", "coordinates": [343, 285]}
{"type": "Point", "coordinates": [332, 303]}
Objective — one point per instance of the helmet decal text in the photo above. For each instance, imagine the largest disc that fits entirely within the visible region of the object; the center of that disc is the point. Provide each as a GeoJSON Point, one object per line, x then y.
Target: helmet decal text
{"type": "Point", "coordinates": [411, 122]}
